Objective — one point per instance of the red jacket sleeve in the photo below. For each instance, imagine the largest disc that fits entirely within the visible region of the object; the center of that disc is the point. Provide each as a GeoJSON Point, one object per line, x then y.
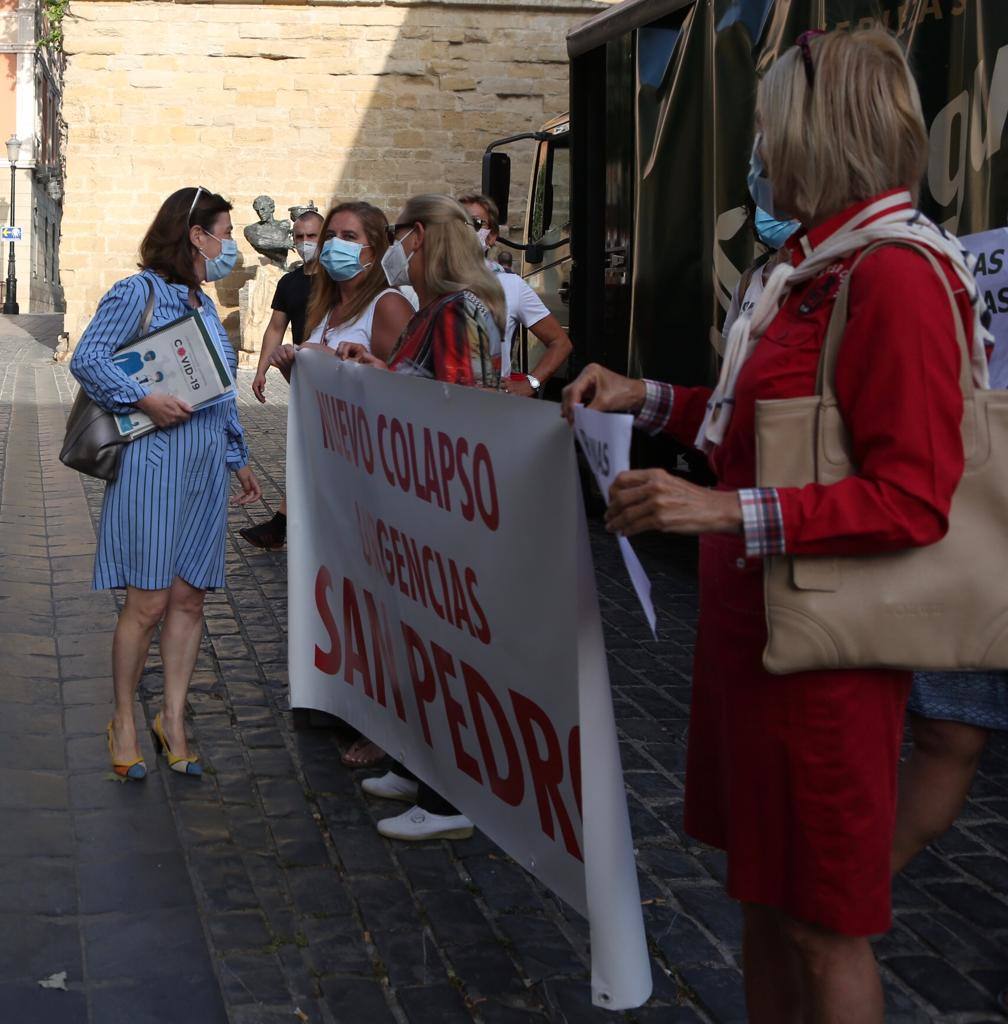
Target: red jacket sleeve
{"type": "Point", "coordinates": [673, 410]}
{"type": "Point", "coordinates": [897, 382]}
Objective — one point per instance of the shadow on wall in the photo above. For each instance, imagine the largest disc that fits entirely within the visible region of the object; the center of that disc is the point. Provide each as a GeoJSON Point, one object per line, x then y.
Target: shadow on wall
{"type": "Point", "coordinates": [341, 101]}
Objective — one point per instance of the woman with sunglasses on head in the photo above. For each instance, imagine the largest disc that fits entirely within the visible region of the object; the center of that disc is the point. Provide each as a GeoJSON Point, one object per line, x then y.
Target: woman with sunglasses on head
{"type": "Point", "coordinates": [455, 337]}
{"type": "Point", "coordinates": [164, 517]}
{"type": "Point", "coordinates": [794, 775]}
{"type": "Point", "coordinates": [351, 301]}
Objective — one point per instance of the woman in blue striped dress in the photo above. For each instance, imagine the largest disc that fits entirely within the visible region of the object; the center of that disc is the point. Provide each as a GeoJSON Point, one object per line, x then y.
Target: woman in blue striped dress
{"type": "Point", "coordinates": [164, 517]}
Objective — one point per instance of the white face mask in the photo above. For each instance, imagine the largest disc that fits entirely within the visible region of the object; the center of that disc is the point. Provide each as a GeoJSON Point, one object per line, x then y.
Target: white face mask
{"type": "Point", "coordinates": [483, 234]}
{"type": "Point", "coordinates": [395, 263]}
{"type": "Point", "coordinates": [307, 250]}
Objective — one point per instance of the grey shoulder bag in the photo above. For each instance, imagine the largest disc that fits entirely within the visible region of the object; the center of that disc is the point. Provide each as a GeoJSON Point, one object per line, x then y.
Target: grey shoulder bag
{"type": "Point", "coordinates": [93, 444]}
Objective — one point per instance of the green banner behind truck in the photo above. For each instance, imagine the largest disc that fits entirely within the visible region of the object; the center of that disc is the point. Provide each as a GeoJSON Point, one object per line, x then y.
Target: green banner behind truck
{"type": "Point", "coordinates": [662, 101]}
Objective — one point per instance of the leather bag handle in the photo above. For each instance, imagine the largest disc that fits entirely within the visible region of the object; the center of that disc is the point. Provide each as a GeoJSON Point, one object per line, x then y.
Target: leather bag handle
{"type": "Point", "coordinates": [826, 375]}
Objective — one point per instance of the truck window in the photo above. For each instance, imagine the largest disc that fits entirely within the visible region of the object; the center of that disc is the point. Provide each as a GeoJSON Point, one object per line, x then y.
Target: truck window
{"type": "Point", "coordinates": [549, 218]}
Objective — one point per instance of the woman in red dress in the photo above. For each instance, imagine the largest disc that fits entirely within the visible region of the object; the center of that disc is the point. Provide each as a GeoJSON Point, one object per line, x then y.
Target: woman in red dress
{"type": "Point", "coordinates": [795, 776]}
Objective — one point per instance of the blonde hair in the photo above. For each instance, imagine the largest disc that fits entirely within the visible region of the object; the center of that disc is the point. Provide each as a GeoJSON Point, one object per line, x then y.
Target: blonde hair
{"type": "Point", "coordinates": [325, 292]}
{"type": "Point", "coordinates": [856, 131]}
{"type": "Point", "coordinates": [453, 256]}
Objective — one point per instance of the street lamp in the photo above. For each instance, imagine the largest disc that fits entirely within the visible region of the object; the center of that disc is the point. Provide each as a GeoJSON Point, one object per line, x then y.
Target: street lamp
{"type": "Point", "coordinates": [10, 292]}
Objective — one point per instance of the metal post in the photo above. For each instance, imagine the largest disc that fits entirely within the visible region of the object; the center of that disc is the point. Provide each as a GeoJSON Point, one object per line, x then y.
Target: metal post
{"type": "Point", "coordinates": [10, 292]}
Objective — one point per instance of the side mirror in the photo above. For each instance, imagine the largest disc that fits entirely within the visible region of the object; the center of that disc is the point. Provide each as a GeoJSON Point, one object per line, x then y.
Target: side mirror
{"type": "Point", "coordinates": [497, 181]}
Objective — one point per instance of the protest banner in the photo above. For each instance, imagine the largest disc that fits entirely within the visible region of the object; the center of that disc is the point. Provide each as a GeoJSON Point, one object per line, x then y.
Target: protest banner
{"type": "Point", "coordinates": [442, 601]}
{"type": "Point", "coordinates": [991, 272]}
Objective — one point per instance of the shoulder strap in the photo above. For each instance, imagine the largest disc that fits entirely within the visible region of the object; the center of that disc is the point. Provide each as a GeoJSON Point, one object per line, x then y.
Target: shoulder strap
{"type": "Point", "coordinates": [143, 328]}
{"type": "Point", "coordinates": [826, 376]}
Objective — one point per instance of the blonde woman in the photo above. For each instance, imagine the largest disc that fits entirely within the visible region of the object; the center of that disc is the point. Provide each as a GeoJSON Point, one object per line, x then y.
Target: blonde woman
{"type": "Point", "coordinates": [455, 337]}
{"type": "Point", "coordinates": [795, 775]}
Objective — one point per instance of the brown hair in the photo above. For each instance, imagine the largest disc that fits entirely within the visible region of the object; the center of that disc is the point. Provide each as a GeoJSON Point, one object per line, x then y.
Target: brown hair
{"type": "Point", "coordinates": [856, 131]}
{"type": "Point", "coordinates": [325, 292]}
{"type": "Point", "coordinates": [453, 256]}
{"type": "Point", "coordinates": [478, 199]}
{"type": "Point", "coordinates": [166, 248]}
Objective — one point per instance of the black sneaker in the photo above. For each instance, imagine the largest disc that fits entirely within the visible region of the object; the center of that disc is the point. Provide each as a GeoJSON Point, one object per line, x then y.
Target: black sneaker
{"type": "Point", "coordinates": [271, 535]}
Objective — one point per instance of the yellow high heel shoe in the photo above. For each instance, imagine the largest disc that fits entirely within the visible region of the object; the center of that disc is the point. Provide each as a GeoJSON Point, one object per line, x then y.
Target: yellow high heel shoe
{"type": "Point", "coordinates": [182, 765]}
{"type": "Point", "coordinates": [135, 770]}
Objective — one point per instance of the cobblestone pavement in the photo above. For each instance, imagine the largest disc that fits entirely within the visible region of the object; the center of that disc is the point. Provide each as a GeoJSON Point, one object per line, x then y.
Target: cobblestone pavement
{"type": "Point", "coordinates": [264, 894]}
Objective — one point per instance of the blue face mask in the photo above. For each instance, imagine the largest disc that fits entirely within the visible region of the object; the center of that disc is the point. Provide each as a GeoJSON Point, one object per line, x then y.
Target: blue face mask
{"type": "Point", "coordinates": [340, 259]}
{"type": "Point", "coordinates": [760, 186]}
{"type": "Point", "coordinates": [772, 232]}
{"type": "Point", "coordinates": [220, 266]}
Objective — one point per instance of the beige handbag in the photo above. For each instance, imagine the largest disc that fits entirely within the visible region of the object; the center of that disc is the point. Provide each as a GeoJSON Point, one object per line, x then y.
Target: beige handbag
{"type": "Point", "coordinates": [944, 606]}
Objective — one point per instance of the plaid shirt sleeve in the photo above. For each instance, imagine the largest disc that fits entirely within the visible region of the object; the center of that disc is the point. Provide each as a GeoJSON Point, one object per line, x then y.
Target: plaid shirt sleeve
{"type": "Point", "coordinates": [657, 407]}
{"type": "Point", "coordinates": [762, 522]}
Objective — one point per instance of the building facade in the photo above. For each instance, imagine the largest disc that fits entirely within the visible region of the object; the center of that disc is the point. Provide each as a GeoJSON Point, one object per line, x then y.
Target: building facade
{"type": "Point", "coordinates": [330, 100]}
{"type": "Point", "coordinates": [30, 98]}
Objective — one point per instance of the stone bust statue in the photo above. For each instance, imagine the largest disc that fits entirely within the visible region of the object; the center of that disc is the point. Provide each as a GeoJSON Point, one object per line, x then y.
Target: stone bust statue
{"type": "Point", "coordinates": [270, 237]}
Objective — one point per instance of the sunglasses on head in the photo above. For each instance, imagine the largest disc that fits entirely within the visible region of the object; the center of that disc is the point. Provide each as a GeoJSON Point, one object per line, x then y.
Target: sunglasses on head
{"type": "Point", "coordinates": [392, 229]}
{"type": "Point", "coordinates": [803, 43]}
{"type": "Point", "coordinates": [199, 191]}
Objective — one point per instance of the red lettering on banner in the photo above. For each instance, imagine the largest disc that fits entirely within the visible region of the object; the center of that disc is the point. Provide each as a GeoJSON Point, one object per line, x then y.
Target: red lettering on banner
{"type": "Point", "coordinates": [400, 562]}
{"type": "Point", "coordinates": [381, 644]}
{"type": "Point", "coordinates": [418, 588]}
{"type": "Point", "coordinates": [432, 483]}
{"type": "Point", "coordinates": [511, 787]}
{"type": "Point", "coordinates": [467, 508]}
{"type": "Point", "coordinates": [382, 428]}
{"type": "Point", "coordinates": [454, 712]}
{"type": "Point", "coordinates": [574, 760]}
{"type": "Point", "coordinates": [353, 635]}
{"type": "Point", "coordinates": [546, 769]}
{"type": "Point", "coordinates": [428, 557]}
{"type": "Point", "coordinates": [328, 427]}
{"type": "Point", "coordinates": [482, 631]}
{"type": "Point", "coordinates": [460, 611]}
{"type": "Point", "coordinates": [423, 681]}
{"type": "Point", "coordinates": [326, 661]}
{"type": "Point", "coordinates": [345, 430]}
{"type": "Point", "coordinates": [451, 591]}
{"type": "Point", "coordinates": [481, 461]}
{"type": "Point", "coordinates": [428, 474]}
{"type": "Point", "coordinates": [446, 460]}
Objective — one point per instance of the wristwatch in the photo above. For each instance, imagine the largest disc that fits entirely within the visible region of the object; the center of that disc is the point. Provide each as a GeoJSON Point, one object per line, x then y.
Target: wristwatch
{"type": "Point", "coordinates": [534, 383]}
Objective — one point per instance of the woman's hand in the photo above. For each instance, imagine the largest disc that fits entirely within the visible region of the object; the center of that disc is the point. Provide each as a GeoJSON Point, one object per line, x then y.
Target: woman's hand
{"type": "Point", "coordinates": [601, 389]}
{"type": "Point", "coordinates": [165, 410]}
{"type": "Point", "coordinates": [251, 491]}
{"type": "Point", "coordinates": [354, 352]}
{"type": "Point", "coordinates": [651, 499]}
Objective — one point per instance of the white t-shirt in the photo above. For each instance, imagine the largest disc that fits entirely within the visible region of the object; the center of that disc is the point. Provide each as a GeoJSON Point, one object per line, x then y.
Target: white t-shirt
{"type": "Point", "coordinates": [358, 330]}
{"type": "Point", "coordinates": [524, 308]}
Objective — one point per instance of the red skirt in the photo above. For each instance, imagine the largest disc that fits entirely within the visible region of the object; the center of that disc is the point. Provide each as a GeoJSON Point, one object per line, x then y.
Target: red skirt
{"type": "Point", "coordinates": [794, 776]}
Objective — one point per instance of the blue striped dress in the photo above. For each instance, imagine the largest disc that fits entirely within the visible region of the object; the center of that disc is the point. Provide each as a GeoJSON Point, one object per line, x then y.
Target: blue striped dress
{"type": "Point", "coordinates": [165, 514]}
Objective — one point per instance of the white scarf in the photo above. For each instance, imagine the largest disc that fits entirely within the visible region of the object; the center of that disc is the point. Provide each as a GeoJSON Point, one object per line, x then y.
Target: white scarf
{"type": "Point", "coordinates": [899, 225]}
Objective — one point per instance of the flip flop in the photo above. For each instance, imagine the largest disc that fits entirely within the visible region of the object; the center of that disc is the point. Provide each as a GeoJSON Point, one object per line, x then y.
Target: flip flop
{"type": "Point", "coordinates": [362, 753]}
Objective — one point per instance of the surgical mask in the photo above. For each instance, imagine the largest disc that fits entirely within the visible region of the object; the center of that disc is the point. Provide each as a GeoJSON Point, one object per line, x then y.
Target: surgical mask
{"type": "Point", "coordinates": [760, 186]}
{"type": "Point", "coordinates": [307, 250]}
{"type": "Point", "coordinates": [772, 232]}
{"type": "Point", "coordinates": [340, 259]}
{"type": "Point", "coordinates": [483, 234]}
{"type": "Point", "coordinates": [395, 263]}
{"type": "Point", "coordinates": [218, 267]}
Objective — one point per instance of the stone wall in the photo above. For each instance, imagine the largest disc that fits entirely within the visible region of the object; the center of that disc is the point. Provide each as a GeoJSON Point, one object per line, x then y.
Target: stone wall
{"type": "Point", "coordinates": [378, 99]}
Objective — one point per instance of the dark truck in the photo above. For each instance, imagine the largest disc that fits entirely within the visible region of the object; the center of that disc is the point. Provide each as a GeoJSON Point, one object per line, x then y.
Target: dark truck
{"type": "Point", "coordinates": [636, 231]}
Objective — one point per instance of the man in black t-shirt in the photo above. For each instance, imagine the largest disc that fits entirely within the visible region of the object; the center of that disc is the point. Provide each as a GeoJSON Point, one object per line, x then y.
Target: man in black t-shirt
{"type": "Point", "coordinates": [290, 304]}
